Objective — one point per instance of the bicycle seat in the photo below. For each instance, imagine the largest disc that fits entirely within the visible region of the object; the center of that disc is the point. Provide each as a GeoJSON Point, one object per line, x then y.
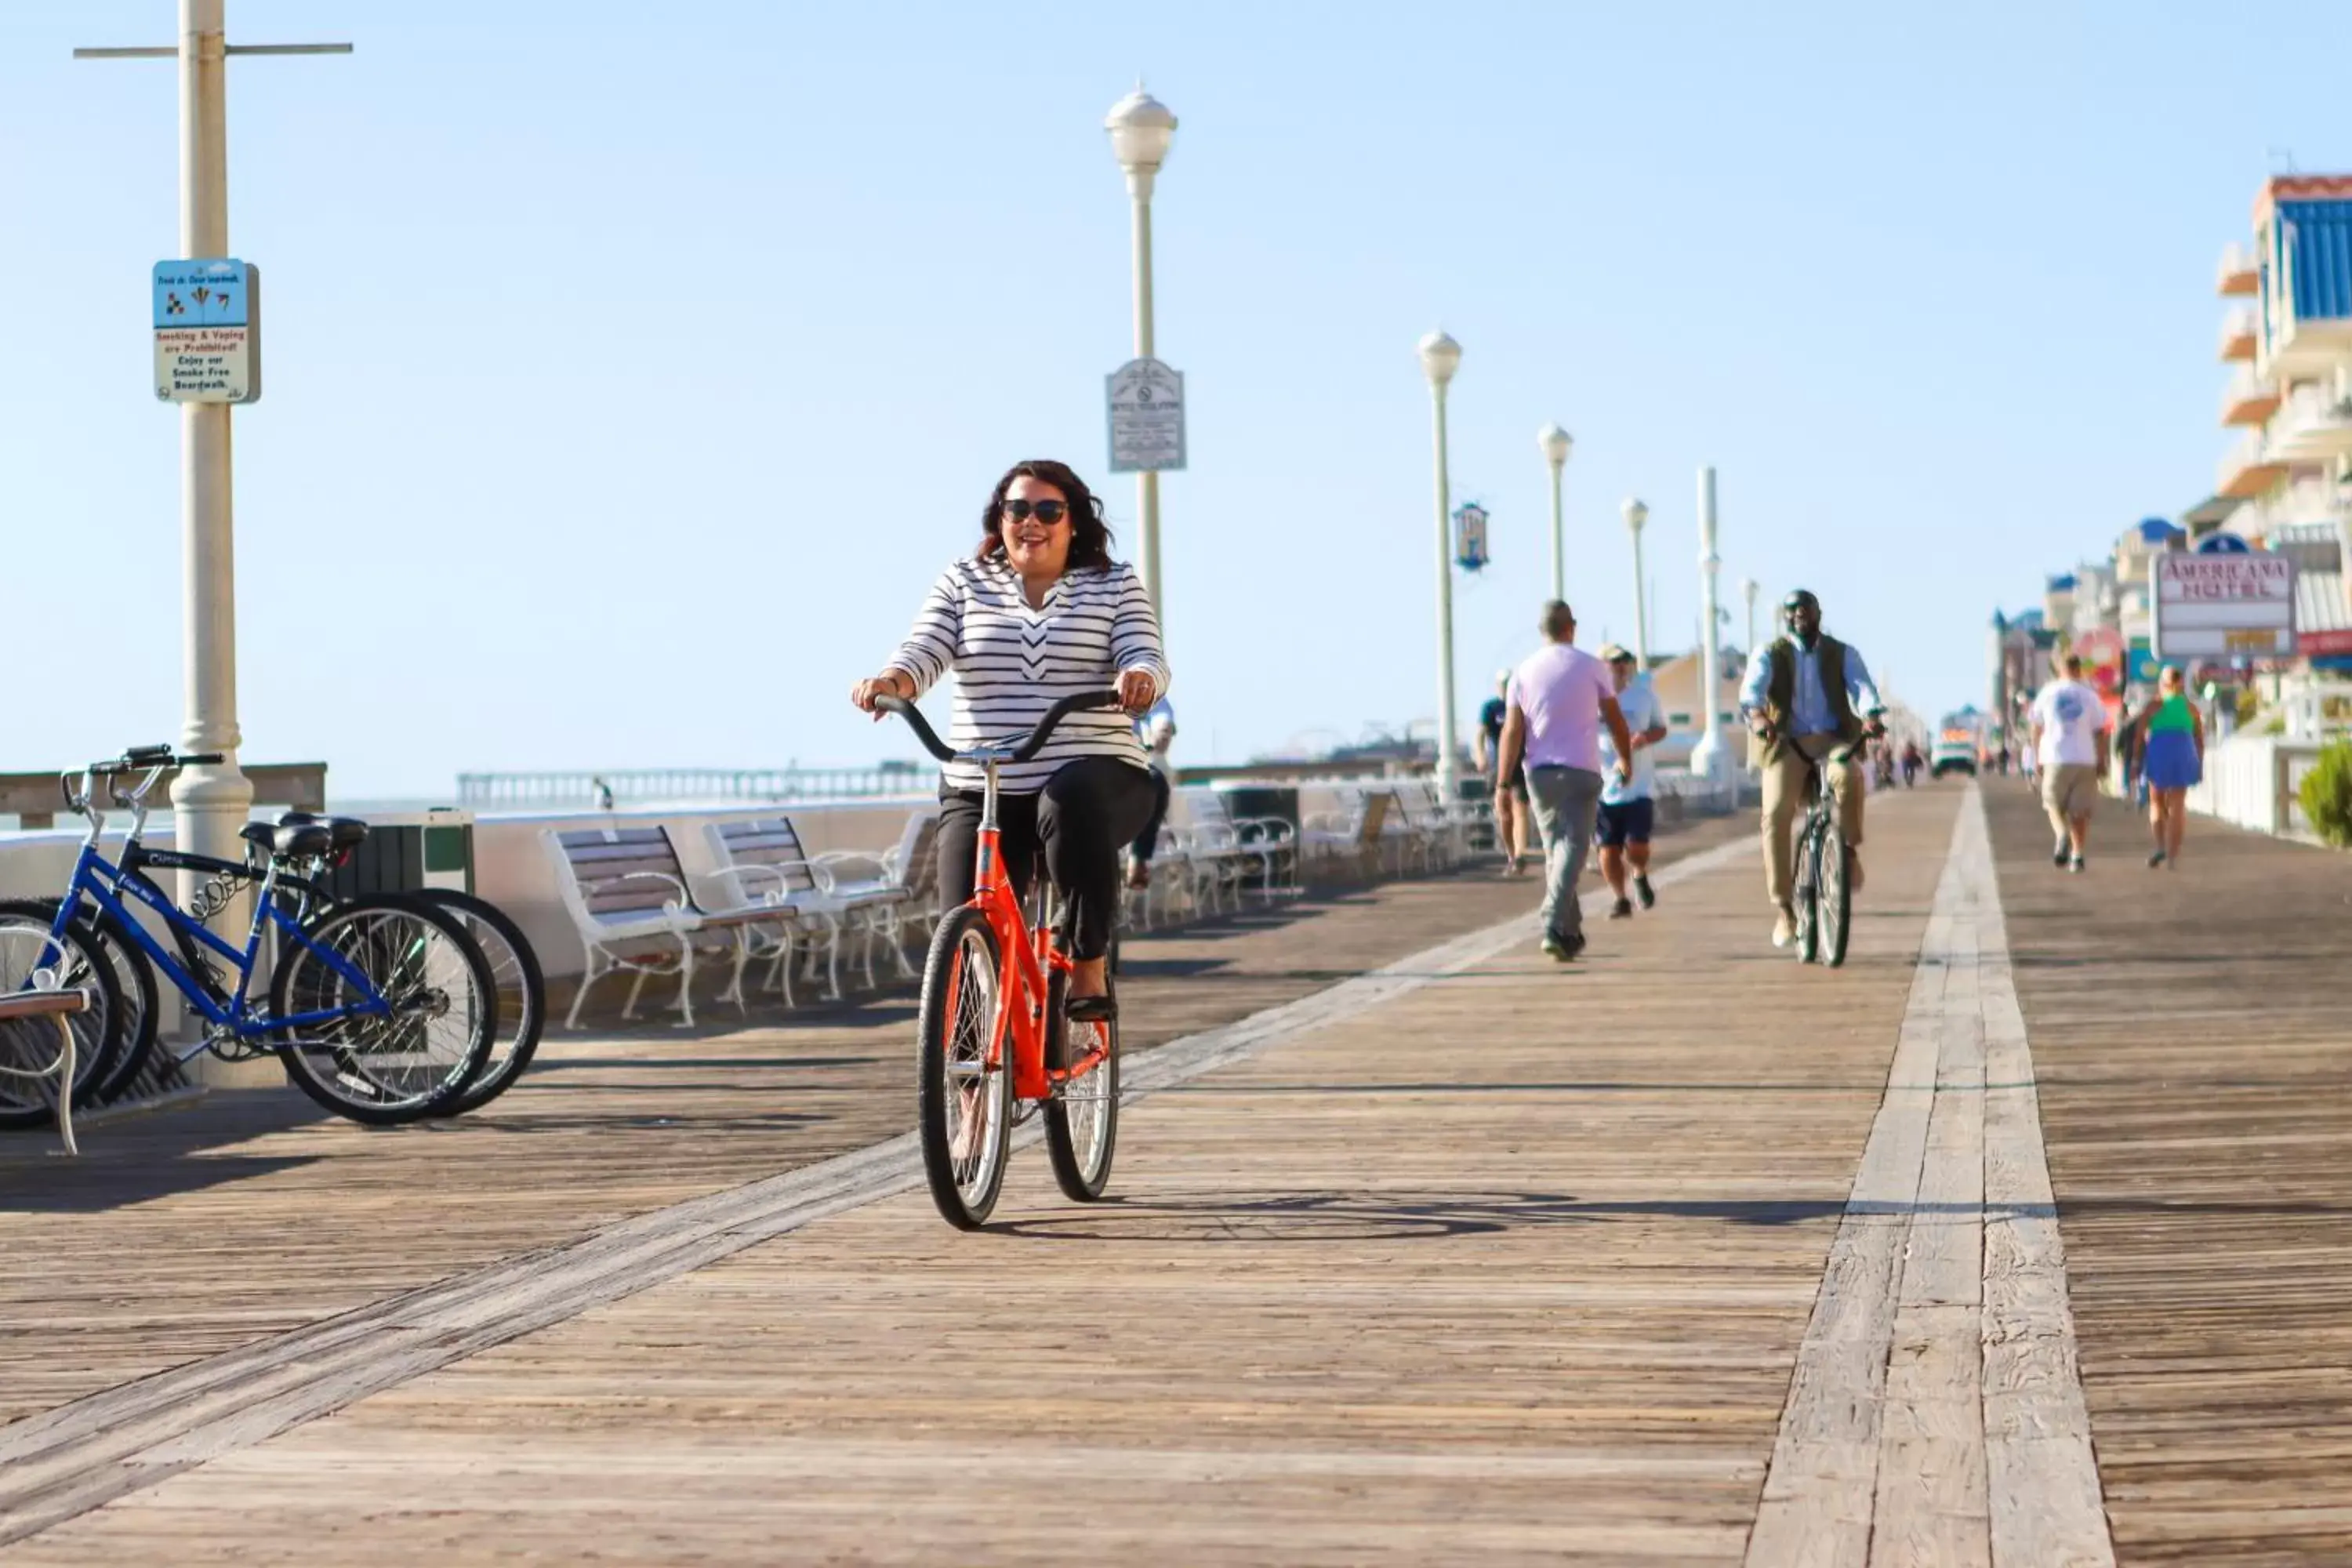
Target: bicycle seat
{"type": "Point", "coordinates": [343, 832]}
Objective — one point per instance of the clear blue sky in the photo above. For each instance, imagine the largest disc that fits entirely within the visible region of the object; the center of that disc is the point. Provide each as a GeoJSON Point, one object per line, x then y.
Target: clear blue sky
{"type": "Point", "coordinates": [633, 368]}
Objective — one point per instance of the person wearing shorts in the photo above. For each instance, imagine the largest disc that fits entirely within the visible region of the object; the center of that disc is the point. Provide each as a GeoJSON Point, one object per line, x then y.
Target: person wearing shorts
{"type": "Point", "coordinates": [1511, 801]}
{"type": "Point", "coordinates": [1628, 808]}
{"type": "Point", "coordinates": [2071, 731]}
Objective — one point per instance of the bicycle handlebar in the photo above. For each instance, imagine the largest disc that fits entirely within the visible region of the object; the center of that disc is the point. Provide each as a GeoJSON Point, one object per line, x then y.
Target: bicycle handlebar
{"type": "Point", "coordinates": [1027, 749]}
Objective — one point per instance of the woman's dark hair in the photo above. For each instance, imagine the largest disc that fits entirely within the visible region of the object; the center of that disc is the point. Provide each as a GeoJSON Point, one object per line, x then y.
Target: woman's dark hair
{"type": "Point", "coordinates": [1089, 535]}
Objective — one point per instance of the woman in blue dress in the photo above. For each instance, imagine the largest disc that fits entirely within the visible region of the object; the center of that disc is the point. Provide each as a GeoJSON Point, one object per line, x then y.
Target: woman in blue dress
{"type": "Point", "coordinates": [2172, 760]}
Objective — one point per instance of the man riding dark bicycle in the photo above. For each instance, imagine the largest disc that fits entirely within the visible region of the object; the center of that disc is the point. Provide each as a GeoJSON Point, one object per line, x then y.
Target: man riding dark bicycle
{"type": "Point", "coordinates": [1808, 699]}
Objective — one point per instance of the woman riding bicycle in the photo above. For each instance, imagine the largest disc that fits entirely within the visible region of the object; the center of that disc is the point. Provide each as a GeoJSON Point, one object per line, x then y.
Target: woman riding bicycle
{"type": "Point", "coordinates": [1039, 611]}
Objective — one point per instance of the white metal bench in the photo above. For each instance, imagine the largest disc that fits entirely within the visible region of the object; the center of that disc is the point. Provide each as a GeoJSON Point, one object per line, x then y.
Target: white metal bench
{"type": "Point", "coordinates": [27, 1015]}
{"type": "Point", "coordinates": [765, 861]}
{"type": "Point", "coordinates": [1355, 833]}
{"type": "Point", "coordinates": [902, 892]}
{"type": "Point", "coordinates": [626, 893]}
{"type": "Point", "coordinates": [1267, 843]}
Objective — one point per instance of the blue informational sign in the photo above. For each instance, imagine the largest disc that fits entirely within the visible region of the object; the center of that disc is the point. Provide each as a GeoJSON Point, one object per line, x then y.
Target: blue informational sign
{"type": "Point", "coordinates": [1470, 536]}
{"type": "Point", "coordinates": [201, 294]}
{"type": "Point", "coordinates": [2223, 544]}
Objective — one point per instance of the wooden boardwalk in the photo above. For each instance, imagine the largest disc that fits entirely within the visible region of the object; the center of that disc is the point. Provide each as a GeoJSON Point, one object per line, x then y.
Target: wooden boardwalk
{"type": "Point", "coordinates": [1686, 1255]}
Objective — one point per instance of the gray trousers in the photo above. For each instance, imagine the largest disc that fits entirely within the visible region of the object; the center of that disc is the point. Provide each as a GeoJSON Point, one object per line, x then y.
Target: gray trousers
{"type": "Point", "coordinates": [1566, 801]}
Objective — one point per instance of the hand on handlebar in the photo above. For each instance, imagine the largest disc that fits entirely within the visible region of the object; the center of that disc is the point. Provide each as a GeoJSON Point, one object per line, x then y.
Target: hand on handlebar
{"type": "Point", "coordinates": [1137, 691]}
{"type": "Point", "coordinates": [889, 683]}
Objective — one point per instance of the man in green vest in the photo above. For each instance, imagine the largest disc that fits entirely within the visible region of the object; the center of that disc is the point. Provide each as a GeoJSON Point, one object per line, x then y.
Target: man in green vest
{"type": "Point", "coordinates": [1806, 695]}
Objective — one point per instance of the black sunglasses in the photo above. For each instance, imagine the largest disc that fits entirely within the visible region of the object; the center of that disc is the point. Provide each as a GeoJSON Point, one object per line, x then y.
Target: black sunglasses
{"type": "Point", "coordinates": [1048, 513]}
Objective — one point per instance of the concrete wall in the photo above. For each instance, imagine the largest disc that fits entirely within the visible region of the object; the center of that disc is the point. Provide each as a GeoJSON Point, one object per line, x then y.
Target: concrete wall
{"type": "Point", "coordinates": [512, 866]}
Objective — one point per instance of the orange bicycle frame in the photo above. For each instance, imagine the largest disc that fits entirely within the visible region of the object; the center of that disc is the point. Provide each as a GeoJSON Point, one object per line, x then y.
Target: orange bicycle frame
{"type": "Point", "coordinates": [1031, 957]}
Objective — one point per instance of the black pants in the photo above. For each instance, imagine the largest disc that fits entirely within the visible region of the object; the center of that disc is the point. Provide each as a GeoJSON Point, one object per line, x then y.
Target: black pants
{"type": "Point", "coordinates": [1149, 839]}
{"type": "Point", "coordinates": [1086, 811]}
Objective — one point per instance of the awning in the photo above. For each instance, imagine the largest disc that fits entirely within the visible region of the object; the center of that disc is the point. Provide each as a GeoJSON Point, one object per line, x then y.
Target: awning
{"type": "Point", "coordinates": [2323, 616]}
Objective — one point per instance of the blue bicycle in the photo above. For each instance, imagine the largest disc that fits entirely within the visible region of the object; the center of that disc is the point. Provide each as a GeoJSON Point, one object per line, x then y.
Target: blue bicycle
{"type": "Point", "coordinates": [381, 1008]}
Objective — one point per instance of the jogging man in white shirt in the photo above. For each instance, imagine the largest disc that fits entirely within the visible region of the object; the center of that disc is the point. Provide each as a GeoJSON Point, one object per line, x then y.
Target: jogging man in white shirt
{"type": "Point", "coordinates": [2071, 731]}
{"type": "Point", "coordinates": [1627, 811]}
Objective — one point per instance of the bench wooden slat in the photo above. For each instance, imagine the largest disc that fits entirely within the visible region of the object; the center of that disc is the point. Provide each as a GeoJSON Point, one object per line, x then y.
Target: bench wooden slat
{"type": "Point", "coordinates": [43, 1004]}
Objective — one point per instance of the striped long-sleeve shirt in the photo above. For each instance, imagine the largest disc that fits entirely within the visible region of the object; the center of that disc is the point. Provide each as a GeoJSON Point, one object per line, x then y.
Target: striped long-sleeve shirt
{"type": "Point", "coordinates": [1013, 662]}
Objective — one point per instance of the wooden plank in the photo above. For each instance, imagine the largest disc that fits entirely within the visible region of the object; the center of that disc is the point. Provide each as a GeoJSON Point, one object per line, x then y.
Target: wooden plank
{"type": "Point", "coordinates": [1509, 1263]}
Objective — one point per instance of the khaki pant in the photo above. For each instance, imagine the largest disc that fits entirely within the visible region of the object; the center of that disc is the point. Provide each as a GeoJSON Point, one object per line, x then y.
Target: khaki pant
{"type": "Point", "coordinates": [2070, 790]}
{"type": "Point", "coordinates": [1784, 797]}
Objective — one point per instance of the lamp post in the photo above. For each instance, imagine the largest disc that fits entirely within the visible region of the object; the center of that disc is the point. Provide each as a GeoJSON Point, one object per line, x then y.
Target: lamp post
{"type": "Point", "coordinates": [1748, 589]}
{"type": "Point", "coordinates": [1141, 129]}
{"type": "Point", "coordinates": [1554, 443]}
{"type": "Point", "coordinates": [1637, 514]}
{"type": "Point", "coordinates": [1439, 357]}
{"type": "Point", "coordinates": [1709, 759]}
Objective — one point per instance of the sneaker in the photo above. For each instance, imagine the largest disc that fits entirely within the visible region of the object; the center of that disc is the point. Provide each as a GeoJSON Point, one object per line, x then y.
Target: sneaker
{"type": "Point", "coordinates": [1555, 948]}
{"type": "Point", "coordinates": [1622, 909]}
{"type": "Point", "coordinates": [1784, 927]}
{"type": "Point", "coordinates": [2075, 864]}
{"type": "Point", "coordinates": [1641, 890]}
{"type": "Point", "coordinates": [2059, 856]}
{"type": "Point", "coordinates": [2156, 860]}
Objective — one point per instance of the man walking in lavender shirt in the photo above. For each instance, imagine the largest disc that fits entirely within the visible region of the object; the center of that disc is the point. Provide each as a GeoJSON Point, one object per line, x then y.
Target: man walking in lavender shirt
{"type": "Point", "coordinates": [1558, 699]}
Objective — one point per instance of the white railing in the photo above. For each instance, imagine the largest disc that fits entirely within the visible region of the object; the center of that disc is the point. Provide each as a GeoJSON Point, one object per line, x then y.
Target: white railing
{"type": "Point", "coordinates": [2252, 782]}
{"type": "Point", "coordinates": [2238, 329]}
{"type": "Point", "coordinates": [2247, 451]}
{"type": "Point", "coordinates": [2247, 385]}
{"type": "Point", "coordinates": [2237, 262]}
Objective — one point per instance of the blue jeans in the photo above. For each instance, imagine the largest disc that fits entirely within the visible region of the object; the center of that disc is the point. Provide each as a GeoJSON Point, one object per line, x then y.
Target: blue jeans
{"type": "Point", "coordinates": [1566, 800]}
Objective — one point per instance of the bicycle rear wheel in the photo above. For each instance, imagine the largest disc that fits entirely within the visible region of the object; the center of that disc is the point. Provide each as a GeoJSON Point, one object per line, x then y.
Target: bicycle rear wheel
{"type": "Point", "coordinates": [33, 960]}
{"type": "Point", "coordinates": [1836, 895]}
{"type": "Point", "coordinates": [1082, 1119]}
{"type": "Point", "coordinates": [411, 1059]}
{"type": "Point", "coordinates": [964, 1098]}
{"type": "Point", "coordinates": [522, 991]}
{"type": "Point", "coordinates": [1809, 891]}
{"type": "Point", "coordinates": [134, 1042]}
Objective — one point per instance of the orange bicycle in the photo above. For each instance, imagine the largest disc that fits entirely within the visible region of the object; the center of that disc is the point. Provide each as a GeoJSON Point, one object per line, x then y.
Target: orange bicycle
{"type": "Point", "coordinates": [993, 1028]}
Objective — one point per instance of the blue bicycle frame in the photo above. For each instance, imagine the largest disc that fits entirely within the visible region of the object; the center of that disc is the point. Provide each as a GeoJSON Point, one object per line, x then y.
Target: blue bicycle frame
{"type": "Point", "coordinates": [106, 883]}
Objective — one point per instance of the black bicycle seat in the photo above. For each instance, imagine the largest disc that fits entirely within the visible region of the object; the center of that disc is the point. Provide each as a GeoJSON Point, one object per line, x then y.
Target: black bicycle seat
{"type": "Point", "coordinates": [344, 832]}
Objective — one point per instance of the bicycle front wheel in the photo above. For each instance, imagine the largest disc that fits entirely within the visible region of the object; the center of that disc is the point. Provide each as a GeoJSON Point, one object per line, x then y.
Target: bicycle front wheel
{"type": "Point", "coordinates": [964, 1084]}
{"type": "Point", "coordinates": [523, 991]}
{"type": "Point", "coordinates": [31, 959]}
{"type": "Point", "coordinates": [1082, 1119]}
{"type": "Point", "coordinates": [1836, 883]}
{"type": "Point", "coordinates": [386, 1010]}
{"type": "Point", "coordinates": [1809, 891]}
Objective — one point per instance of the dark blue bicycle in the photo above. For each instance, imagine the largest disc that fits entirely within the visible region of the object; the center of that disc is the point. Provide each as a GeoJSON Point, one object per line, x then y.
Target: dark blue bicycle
{"type": "Point", "coordinates": [381, 1008]}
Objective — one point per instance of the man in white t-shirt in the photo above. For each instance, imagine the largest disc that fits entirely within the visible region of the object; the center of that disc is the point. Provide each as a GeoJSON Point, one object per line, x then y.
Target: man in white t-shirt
{"type": "Point", "coordinates": [2071, 730]}
{"type": "Point", "coordinates": [1560, 698]}
{"type": "Point", "coordinates": [1627, 810]}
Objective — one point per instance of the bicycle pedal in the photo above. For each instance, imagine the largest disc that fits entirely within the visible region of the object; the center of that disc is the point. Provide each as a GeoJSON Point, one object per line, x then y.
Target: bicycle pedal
{"type": "Point", "coordinates": [1022, 1110]}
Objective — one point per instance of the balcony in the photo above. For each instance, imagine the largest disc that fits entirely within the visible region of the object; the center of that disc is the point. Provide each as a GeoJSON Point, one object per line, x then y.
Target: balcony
{"type": "Point", "coordinates": [2313, 425]}
{"type": "Point", "coordinates": [2251, 398]}
{"type": "Point", "coordinates": [2239, 276]}
{"type": "Point", "coordinates": [2250, 469]}
{"type": "Point", "coordinates": [2238, 335]}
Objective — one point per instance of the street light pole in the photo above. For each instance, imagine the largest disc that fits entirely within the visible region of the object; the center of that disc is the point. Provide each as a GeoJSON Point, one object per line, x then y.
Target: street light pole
{"type": "Point", "coordinates": [210, 802]}
{"type": "Point", "coordinates": [1748, 589]}
{"type": "Point", "coordinates": [1709, 759]}
{"type": "Point", "coordinates": [1555, 443]}
{"type": "Point", "coordinates": [1637, 514]}
{"type": "Point", "coordinates": [1142, 127]}
{"type": "Point", "coordinates": [1439, 357]}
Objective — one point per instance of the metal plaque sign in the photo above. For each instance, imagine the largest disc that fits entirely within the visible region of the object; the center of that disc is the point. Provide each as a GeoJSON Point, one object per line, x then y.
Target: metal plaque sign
{"type": "Point", "coordinates": [2235, 606]}
{"type": "Point", "coordinates": [207, 331]}
{"type": "Point", "coordinates": [1146, 417]}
